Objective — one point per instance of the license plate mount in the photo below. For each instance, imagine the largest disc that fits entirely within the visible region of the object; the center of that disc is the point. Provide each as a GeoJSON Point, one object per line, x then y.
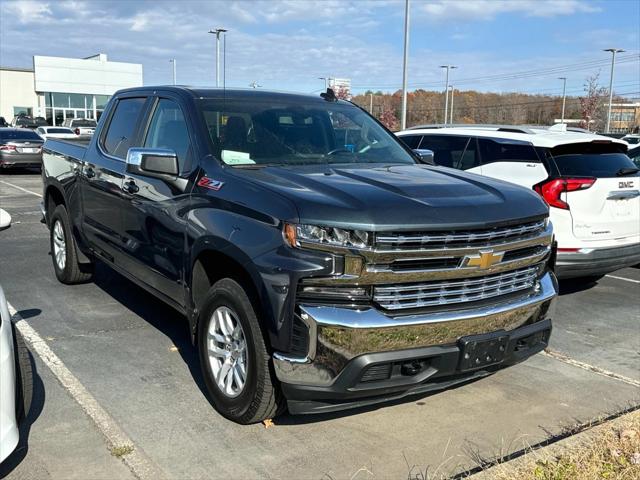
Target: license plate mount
{"type": "Point", "coordinates": [480, 351]}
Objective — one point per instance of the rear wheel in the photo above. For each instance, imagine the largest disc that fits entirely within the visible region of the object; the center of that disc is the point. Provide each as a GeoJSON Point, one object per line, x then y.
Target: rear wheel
{"type": "Point", "coordinates": [63, 250]}
{"type": "Point", "coordinates": [24, 376]}
{"type": "Point", "coordinates": [234, 358]}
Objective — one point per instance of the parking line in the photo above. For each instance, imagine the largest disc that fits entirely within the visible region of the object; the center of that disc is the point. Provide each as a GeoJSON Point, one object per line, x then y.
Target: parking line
{"type": "Point", "coordinates": [138, 463]}
{"type": "Point", "coordinates": [591, 368]}
{"type": "Point", "coordinates": [623, 278]}
{"type": "Point", "coordinates": [20, 188]}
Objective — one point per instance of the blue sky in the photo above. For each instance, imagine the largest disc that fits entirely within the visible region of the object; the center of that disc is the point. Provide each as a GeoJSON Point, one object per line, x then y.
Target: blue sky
{"type": "Point", "coordinates": [287, 45]}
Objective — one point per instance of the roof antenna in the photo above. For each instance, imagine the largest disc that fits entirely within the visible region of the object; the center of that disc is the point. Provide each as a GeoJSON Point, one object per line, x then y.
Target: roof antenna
{"type": "Point", "coordinates": [329, 95]}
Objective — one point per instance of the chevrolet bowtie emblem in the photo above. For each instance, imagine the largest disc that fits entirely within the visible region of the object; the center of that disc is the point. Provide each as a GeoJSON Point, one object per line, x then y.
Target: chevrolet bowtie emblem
{"type": "Point", "coordinates": [485, 259]}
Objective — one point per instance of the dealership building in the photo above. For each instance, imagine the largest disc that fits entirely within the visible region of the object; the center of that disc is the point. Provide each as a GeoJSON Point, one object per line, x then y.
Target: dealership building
{"type": "Point", "coordinates": [58, 88]}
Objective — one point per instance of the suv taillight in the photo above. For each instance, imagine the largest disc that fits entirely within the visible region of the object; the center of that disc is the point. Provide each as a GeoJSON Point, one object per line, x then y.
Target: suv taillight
{"type": "Point", "coordinates": [551, 189]}
{"type": "Point", "coordinates": [77, 130]}
{"type": "Point", "coordinates": [8, 148]}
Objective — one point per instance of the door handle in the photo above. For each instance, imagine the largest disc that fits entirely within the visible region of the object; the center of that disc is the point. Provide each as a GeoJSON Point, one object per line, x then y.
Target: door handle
{"type": "Point", "coordinates": [90, 172]}
{"type": "Point", "coordinates": [130, 187]}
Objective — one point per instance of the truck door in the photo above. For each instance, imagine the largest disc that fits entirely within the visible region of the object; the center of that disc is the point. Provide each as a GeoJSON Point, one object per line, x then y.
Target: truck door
{"type": "Point", "coordinates": [102, 176]}
{"type": "Point", "coordinates": [154, 220]}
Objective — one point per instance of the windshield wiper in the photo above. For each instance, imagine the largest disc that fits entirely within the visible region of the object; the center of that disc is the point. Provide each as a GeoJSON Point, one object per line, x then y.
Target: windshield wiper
{"type": "Point", "coordinates": [627, 171]}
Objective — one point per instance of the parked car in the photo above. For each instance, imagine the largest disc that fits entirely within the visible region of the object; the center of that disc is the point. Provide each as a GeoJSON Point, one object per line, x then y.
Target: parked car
{"type": "Point", "coordinates": [632, 138]}
{"type": "Point", "coordinates": [82, 127]}
{"type": "Point", "coordinates": [15, 373]}
{"type": "Point", "coordinates": [20, 147]}
{"type": "Point", "coordinates": [23, 121]}
{"type": "Point", "coordinates": [326, 271]}
{"type": "Point", "coordinates": [589, 183]}
{"type": "Point", "coordinates": [56, 132]}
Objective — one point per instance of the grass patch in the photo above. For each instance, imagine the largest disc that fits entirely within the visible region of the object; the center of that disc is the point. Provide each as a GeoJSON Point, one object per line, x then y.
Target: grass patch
{"type": "Point", "coordinates": [121, 450]}
{"type": "Point", "coordinates": [611, 452]}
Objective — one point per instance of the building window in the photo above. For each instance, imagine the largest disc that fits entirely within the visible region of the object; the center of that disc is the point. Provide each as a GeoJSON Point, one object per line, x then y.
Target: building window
{"type": "Point", "coordinates": [18, 111]}
{"type": "Point", "coordinates": [628, 116]}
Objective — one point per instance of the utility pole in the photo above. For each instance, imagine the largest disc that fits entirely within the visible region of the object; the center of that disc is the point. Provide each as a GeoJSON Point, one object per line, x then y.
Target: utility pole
{"type": "Point", "coordinates": [446, 91]}
{"type": "Point", "coordinates": [217, 33]}
{"type": "Point", "coordinates": [403, 122]}
{"type": "Point", "coordinates": [451, 110]}
{"type": "Point", "coordinates": [173, 62]}
{"type": "Point", "coordinates": [371, 103]}
{"type": "Point", "coordinates": [613, 62]}
{"type": "Point", "coordinates": [564, 96]}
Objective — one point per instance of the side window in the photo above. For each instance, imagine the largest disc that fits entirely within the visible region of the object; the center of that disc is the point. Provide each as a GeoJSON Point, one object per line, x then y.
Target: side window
{"type": "Point", "coordinates": [492, 151]}
{"type": "Point", "coordinates": [411, 141]}
{"type": "Point", "coordinates": [168, 129]}
{"type": "Point", "coordinates": [470, 157]}
{"type": "Point", "coordinates": [447, 149]}
{"type": "Point", "coordinates": [122, 127]}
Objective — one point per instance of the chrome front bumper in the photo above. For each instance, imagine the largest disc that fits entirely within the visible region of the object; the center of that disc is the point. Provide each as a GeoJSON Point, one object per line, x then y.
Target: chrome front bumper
{"type": "Point", "coordinates": [337, 335]}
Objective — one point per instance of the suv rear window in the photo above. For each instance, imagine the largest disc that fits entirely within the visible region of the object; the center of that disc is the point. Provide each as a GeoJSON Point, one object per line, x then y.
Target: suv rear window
{"type": "Point", "coordinates": [83, 123]}
{"type": "Point", "coordinates": [590, 160]}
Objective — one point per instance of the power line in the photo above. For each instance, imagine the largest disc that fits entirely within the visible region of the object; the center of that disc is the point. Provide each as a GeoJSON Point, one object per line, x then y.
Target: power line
{"type": "Point", "coordinates": [522, 74]}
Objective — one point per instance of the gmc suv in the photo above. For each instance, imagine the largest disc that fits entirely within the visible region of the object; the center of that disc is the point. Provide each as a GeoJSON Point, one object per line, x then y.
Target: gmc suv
{"type": "Point", "coordinates": [318, 262]}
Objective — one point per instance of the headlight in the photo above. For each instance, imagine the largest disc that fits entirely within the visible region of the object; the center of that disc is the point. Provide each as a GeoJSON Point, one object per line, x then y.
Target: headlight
{"type": "Point", "coordinates": [297, 234]}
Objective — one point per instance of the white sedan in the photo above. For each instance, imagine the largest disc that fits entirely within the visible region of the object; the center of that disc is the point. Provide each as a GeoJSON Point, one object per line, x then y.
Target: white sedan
{"type": "Point", "coordinates": [63, 133]}
{"type": "Point", "coordinates": [16, 382]}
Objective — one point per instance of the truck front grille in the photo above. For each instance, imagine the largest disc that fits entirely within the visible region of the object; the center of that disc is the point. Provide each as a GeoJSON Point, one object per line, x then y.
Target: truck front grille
{"type": "Point", "coordinates": [458, 239]}
{"type": "Point", "coordinates": [451, 292]}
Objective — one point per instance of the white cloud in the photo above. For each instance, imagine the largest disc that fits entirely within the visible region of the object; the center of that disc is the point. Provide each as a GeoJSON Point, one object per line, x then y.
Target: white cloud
{"type": "Point", "coordinates": [28, 11]}
{"type": "Point", "coordinates": [488, 9]}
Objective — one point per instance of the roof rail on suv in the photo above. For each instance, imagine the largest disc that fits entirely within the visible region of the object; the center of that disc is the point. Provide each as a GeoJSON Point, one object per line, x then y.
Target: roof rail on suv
{"type": "Point", "coordinates": [498, 128]}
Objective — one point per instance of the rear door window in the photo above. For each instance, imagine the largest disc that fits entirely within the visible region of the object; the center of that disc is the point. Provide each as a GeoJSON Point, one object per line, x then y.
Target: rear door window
{"type": "Point", "coordinates": [123, 125]}
{"type": "Point", "coordinates": [448, 150]}
{"type": "Point", "coordinates": [498, 151]}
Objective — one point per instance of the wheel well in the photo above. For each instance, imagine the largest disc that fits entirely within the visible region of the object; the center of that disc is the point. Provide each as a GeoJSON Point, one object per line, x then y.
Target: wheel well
{"type": "Point", "coordinates": [212, 266]}
{"type": "Point", "coordinates": [54, 198]}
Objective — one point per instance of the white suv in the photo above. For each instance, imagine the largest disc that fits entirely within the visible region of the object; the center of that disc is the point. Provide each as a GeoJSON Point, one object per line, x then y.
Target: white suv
{"type": "Point", "coordinates": [591, 186]}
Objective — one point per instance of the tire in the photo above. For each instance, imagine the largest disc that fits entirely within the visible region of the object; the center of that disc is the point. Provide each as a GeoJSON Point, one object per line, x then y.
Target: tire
{"type": "Point", "coordinates": [24, 376]}
{"type": "Point", "coordinates": [63, 250]}
{"type": "Point", "coordinates": [259, 398]}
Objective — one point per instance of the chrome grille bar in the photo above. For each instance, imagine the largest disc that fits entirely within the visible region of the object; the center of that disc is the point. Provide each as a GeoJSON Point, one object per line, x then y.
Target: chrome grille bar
{"type": "Point", "coordinates": [470, 238]}
{"type": "Point", "coordinates": [454, 292]}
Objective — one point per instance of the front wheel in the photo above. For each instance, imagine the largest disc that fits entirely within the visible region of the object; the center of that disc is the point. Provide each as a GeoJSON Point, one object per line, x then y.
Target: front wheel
{"type": "Point", "coordinates": [63, 251]}
{"type": "Point", "coordinates": [234, 358]}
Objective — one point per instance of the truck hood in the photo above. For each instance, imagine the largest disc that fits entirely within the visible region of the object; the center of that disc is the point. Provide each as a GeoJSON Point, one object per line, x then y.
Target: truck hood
{"type": "Point", "coordinates": [398, 197]}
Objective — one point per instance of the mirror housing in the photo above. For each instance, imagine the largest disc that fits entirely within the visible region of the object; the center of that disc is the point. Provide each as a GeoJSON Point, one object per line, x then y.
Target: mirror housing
{"type": "Point", "coordinates": [425, 155]}
{"type": "Point", "coordinates": [153, 162]}
{"type": "Point", "coordinates": [5, 220]}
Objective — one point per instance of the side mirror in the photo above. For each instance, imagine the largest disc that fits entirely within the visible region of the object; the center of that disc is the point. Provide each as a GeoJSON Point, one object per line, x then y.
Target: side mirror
{"type": "Point", "coordinates": [5, 220]}
{"type": "Point", "coordinates": [153, 162]}
{"type": "Point", "coordinates": [425, 156]}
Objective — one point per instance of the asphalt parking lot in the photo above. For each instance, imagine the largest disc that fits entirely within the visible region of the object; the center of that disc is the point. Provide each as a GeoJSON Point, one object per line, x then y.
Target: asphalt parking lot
{"type": "Point", "coordinates": [133, 355]}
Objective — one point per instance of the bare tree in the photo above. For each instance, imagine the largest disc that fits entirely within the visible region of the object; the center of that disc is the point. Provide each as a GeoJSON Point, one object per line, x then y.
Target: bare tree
{"type": "Point", "coordinates": [591, 103]}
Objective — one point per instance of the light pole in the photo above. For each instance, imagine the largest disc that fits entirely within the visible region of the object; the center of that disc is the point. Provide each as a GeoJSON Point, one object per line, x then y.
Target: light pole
{"type": "Point", "coordinates": [451, 109]}
{"type": "Point", "coordinates": [403, 122]}
{"type": "Point", "coordinates": [446, 91]}
{"type": "Point", "coordinates": [173, 62]}
{"type": "Point", "coordinates": [564, 96]}
{"type": "Point", "coordinates": [371, 103]}
{"type": "Point", "coordinates": [217, 33]}
{"type": "Point", "coordinates": [613, 62]}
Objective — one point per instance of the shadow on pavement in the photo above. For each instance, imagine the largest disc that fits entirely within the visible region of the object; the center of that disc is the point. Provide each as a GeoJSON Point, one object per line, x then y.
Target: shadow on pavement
{"type": "Point", "coordinates": [155, 312]}
{"type": "Point", "coordinates": [37, 405]}
{"type": "Point", "coordinates": [7, 172]}
{"type": "Point", "coordinates": [575, 285]}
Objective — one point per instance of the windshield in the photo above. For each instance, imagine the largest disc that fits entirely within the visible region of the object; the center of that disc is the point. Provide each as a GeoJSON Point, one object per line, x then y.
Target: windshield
{"type": "Point", "coordinates": [84, 123]}
{"type": "Point", "coordinates": [282, 132]}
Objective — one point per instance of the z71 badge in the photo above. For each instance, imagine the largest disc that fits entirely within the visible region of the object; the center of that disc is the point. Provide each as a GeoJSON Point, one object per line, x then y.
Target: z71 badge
{"type": "Point", "coordinates": [210, 183]}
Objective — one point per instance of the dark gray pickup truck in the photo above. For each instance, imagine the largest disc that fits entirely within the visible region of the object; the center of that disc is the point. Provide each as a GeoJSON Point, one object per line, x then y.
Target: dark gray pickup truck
{"type": "Point", "coordinates": [320, 263]}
